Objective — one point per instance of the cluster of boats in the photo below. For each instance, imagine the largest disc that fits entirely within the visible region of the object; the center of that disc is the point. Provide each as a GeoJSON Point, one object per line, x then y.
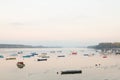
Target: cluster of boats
{"type": "Point", "coordinates": [41, 56]}
{"type": "Point", "coordinates": [29, 55]}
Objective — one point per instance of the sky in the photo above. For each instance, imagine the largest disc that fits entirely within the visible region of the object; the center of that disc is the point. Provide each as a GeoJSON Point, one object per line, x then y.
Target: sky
{"type": "Point", "coordinates": [59, 22]}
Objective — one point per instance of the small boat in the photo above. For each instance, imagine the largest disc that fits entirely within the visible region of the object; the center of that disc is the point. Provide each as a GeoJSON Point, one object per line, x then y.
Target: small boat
{"type": "Point", "coordinates": [27, 56]}
{"type": "Point", "coordinates": [41, 59]}
{"type": "Point", "coordinates": [20, 65]}
{"type": "Point", "coordinates": [74, 53]}
{"type": "Point", "coordinates": [42, 54]}
{"type": "Point", "coordinates": [71, 72]}
{"type": "Point", "coordinates": [33, 54]}
{"type": "Point", "coordinates": [1, 56]}
{"type": "Point", "coordinates": [118, 53]}
{"type": "Point", "coordinates": [21, 52]}
{"type": "Point", "coordinates": [11, 58]}
{"type": "Point", "coordinates": [59, 51]}
{"type": "Point", "coordinates": [86, 54]}
{"type": "Point", "coordinates": [104, 56]}
{"type": "Point", "coordinates": [61, 56]}
{"type": "Point", "coordinates": [45, 56]}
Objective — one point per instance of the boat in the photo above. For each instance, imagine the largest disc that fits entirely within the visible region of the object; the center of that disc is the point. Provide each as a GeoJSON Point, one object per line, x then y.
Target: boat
{"type": "Point", "coordinates": [41, 59]}
{"type": "Point", "coordinates": [104, 56]}
{"type": "Point", "coordinates": [42, 54]}
{"type": "Point", "coordinates": [20, 65]}
{"type": "Point", "coordinates": [11, 58]}
{"type": "Point", "coordinates": [27, 56]}
{"type": "Point", "coordinates": [33, 54]}
{"type": "Point", "coordinates": [74, 53]}
{"type": "Point", "coordinates": [86, 54]}
{"type": "Point", "coordinates": [59, 51]}
{"type": "Point", "coordinates": [71, 72]}
{"type": "Point", "coordinates": [118, 53]}
{"type": "Point", "coordinates": [21, 52]}
{"type": "Point", "coordinates": [45, 56]}
{"type": "Point", "coordinates": [61, 56]}
{"type": "Point", "coordinates": [1, 56]}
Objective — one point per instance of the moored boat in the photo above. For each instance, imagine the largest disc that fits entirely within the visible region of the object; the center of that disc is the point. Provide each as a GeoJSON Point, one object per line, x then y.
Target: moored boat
{"type": "Point", "coordinates": [20, 65]}
{"type": "Point", "coordinates": [10, 58]}
{"type": "Point", "coordinates": [74, 53]}
{"type": "Point", "coordinates": [61, 56]}
{"type": "Point", "coordinates": [41, 59]}
{"type": "Point", "coordinates": [1, 56]}
{"type": "Point", "coordinates": [71, 72]}
{"type": "Point", "coordinates": [27, 56]}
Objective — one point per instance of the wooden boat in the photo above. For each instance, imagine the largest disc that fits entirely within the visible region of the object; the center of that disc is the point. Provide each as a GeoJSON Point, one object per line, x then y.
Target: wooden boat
{"type": "Point", "coordinates": [42, 54]}
{"type": "Point", "coordinates": [1, 56]}
{"type": "Point", "coordinates": [86, 54]}
{"type": "Point", "coordinates": [11, 58]}
{"type": "Point", "coordinates": [71, 72]}
{"type": "Point", "coordinates": [61, 56]}
{"type": "Point", "coordinates": [104, 56]}
{"type": "Point", "coordinates": [21, 52]}
{"type": "Point", "coordinates": [59, 51]}
{"type": "Point", "coordinates": [74, 53]}
{"type": "Point", "coordinates": [27, 56]}
{"type": "Point", "coordinates": [33, 54]}
{"type": "Point", "coordinates": [45, 56]}
{"type": "Point", "coordinates": [20, 64]}
{"type": "Point", "coordinates": [118, 53]}
{"type": "Point", "coordinates": [41, 59]}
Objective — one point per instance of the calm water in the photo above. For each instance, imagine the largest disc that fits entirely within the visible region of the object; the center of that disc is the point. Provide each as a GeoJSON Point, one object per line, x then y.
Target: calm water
{"type": "Point", "coordinates": [47, 70]}
{"type": "Point", "coordinates": [40, 50]}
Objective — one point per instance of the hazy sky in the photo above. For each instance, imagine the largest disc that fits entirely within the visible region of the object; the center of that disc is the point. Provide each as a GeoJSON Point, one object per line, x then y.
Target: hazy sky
{"type": "Point", "coordinates": [59, 22]}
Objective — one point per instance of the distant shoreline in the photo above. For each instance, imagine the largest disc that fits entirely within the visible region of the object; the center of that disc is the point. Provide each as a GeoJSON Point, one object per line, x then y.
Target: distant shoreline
{"type": "Point", "coordinates": [106, 45]}
{"type": "Point", "coordinates": [25, 46]}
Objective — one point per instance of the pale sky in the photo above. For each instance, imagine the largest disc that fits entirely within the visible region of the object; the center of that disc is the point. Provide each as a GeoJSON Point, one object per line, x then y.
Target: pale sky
{"type": "Point", "coordinates": [59, 22]}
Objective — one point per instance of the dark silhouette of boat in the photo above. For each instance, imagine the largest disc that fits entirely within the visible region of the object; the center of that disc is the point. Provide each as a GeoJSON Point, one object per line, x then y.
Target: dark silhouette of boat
{"type": "Point", "coordinates": [41, 59]}
{"type": "Point", "coordinates": [71, 72]}
{"type": "Point", "coordinates": [20, 65]}
{"type": "Point", "coordinates": [61, 56]}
